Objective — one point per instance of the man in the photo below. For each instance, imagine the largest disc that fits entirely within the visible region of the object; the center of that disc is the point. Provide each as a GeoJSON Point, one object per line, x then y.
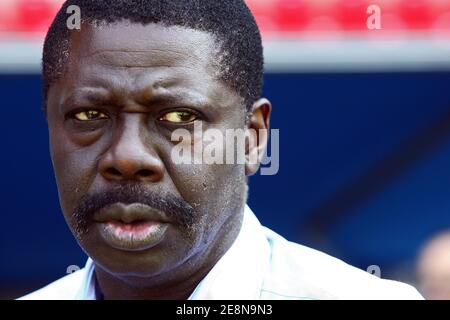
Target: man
{"type": "Point", "coordinates": [154, 228]}
{"type": "Point", "coordinates": [433, 267]}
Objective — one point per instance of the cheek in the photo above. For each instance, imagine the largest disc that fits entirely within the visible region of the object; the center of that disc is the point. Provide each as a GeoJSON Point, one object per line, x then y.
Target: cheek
{"type": "Point", "coordinates": [215, 191]}
{"type": "Point", "coordinates": [74, 169]}
{"type": "Point", "coordinates": [208, 183]}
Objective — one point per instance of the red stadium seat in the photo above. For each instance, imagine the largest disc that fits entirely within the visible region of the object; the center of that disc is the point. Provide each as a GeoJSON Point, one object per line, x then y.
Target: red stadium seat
{"type": "Point", "coordinates": [351, 14]}
{"type": "Point", "coordinates": [292, 15]}
{"type": "Point", "coordinates": [34, 15]}
{"type": "Point", "coordinates": [417, 14]}
{"type": "Point", "coordinates": [7, 15]}
{"type": "Point", "coordinates": [263, 12]}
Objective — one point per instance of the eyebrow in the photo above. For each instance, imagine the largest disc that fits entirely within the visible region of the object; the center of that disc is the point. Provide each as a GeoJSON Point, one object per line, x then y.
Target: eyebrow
{"type": "Point", "coordinates": [100, 97]}
{"type": "Point", "coordinates": [187, 97]}
{"type": "Point", "coordinates": [90, 95]}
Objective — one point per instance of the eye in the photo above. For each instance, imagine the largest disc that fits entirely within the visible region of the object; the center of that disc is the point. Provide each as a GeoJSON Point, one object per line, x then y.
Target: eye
{"type": "Point", "coordinates": [179, 117]}
{"type": "Point", "coordinates": [90, 115]}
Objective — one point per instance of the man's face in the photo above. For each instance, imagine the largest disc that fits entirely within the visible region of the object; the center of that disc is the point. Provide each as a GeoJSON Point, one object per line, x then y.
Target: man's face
{"type": "Point", "coordinates": [433, 269]}
{"type": "Point", "coordinates": [126, 88]}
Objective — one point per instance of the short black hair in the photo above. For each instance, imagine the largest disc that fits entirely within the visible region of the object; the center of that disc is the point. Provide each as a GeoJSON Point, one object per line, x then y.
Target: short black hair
{"type": "Point", "coordinates": [230, 21]}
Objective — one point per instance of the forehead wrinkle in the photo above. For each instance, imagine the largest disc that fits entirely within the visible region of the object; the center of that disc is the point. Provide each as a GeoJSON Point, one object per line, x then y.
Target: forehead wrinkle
{"type": "Point", "coordinates": [122, 54]}
{"type": "Point", "coordinates": [101, 51]}
{"type": "Point", "coordinates": [131, 58]}
{"type": "Point", "coordinates": [150, 37]}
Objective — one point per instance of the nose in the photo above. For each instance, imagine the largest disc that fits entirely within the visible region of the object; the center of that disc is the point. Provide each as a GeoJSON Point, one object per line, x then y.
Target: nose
{"type": "Point", "coordinates": [130, 158]}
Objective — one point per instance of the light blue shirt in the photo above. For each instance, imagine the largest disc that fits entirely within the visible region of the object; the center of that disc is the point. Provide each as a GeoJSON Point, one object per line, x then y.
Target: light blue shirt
{"type": "Point", "coordinates": [260, 265]}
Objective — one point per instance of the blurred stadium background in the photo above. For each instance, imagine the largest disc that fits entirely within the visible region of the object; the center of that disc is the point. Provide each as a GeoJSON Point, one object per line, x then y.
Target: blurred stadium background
{"type": "Point", "coordinates": [364, 119]}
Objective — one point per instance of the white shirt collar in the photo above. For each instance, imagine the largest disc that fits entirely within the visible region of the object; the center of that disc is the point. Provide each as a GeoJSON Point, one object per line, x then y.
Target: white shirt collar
{"type": "Point", "coordinates": [239, 274]}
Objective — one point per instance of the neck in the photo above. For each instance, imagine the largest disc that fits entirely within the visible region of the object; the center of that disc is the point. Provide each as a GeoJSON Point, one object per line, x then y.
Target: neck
{"type": "Point", "coordinates": [176, 284]}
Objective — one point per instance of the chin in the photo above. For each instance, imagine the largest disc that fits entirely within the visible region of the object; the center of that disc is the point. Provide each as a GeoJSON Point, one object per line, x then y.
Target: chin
{"type": "Point", "coordinates": [143, 264]}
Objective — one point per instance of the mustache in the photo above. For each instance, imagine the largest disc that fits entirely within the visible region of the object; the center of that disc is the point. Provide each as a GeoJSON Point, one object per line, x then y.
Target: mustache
{"type": "Point", "coordinates": [176, 208]}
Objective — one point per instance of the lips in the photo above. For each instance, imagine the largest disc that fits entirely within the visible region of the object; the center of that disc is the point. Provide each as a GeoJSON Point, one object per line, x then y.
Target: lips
{"type": "Point", "coordinates": [129, 213]}
{"type": "Point", "coordinates": [131, 227]}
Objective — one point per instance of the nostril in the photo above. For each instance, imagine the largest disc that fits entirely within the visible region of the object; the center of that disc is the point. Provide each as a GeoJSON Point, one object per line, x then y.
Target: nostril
{"type": "Point", "coordinates": [113, 172]}
{"type": "Point", "coordinates": [144, 173]}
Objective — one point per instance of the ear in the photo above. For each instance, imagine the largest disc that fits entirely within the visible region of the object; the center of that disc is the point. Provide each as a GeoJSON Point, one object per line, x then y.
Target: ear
{"type": "Point", "coordinates": [257, 135]}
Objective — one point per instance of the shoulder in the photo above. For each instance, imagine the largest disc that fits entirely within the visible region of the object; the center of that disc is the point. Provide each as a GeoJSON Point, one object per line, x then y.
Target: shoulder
{"type": "Point", "coordinates": [300, 272]}
{"type": "Point", "coordinates": [66, 288]}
